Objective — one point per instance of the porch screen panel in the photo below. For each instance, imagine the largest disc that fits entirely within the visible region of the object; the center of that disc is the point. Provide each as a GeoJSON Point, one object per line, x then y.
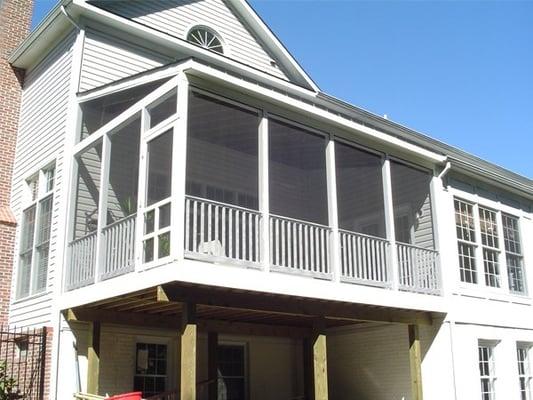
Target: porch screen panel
{"type": "Point", "coordinates": [359, 191]}
{"type": "Point", "coordinates": [87, 191]}
{"type": "Point", "coordinates": [159, 168]}
{"type": "Point", "coordinates": [122, 192]}
{"type": "Point", "coordinates": [412, 205]}
{"type": "Point", "coordinates": [98, 112]}
{"type": "Point", "coordinates": [297, 173]}
{"type": "Point", "coordinates": [222, 152]}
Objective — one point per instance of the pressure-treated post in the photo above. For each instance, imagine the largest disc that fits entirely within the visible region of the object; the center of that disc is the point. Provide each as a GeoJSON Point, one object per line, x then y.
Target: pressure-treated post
{"type": "Point", "coordinates": [93, 358]}
{"type": "Point", "coordinates": [188, 352]}
{"type": "Point", "coordinates": [212, 365]}
{"type": "Point", "coordinates": [415, 360]}
{"type": "Point", "coordinates": [320, 363]}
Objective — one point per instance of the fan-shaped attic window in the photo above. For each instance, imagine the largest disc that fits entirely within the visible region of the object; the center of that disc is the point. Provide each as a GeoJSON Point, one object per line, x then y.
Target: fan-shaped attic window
{"type": "Point", "coordinates": [206, 38]}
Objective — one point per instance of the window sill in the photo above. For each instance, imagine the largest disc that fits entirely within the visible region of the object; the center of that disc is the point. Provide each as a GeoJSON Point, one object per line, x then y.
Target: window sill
{"type": "Point", "coordinates": [31, 297]}
{"type": "Point", "coordinates": [486, 293]}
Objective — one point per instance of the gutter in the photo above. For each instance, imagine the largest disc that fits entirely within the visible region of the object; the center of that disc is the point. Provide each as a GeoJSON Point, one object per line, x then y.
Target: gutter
{"type": "Point", "coordinates": [38, 31]}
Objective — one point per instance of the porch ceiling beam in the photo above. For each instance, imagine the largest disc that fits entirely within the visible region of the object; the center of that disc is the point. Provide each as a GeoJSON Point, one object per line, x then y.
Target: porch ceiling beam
{"type": "Point", "coordinates": [290, 306]}
{"type": "Point", "coordinates": [172, 322]}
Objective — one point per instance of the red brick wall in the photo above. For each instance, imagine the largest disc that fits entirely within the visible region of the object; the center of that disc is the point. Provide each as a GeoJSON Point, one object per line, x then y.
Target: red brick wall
{"type": "Point", "coordinates": [15, 20]}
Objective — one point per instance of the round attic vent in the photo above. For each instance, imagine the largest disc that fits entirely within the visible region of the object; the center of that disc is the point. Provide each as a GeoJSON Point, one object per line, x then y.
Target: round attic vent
{"type": "Point", "coordinates": [206, 38]}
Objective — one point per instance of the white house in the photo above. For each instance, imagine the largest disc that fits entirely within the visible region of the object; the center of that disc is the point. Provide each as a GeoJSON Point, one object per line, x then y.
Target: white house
{"type": "Point", "coordinates": [195, 216]}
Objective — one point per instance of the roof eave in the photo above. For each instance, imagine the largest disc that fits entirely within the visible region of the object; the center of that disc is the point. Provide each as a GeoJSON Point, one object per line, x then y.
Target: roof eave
{"type": "Point", "coordinates": [53, 26]}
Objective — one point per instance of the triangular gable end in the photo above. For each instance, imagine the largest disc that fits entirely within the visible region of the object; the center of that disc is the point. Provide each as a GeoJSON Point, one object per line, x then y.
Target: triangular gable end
{"type": "Point", "coordinates": [245, 37]}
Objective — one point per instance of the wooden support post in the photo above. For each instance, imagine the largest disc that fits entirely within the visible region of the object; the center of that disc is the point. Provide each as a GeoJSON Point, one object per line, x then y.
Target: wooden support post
{"type": "Point", "coordinates": [93, 358]}
{"type": "Point", "coordinates": [212, 364]}
{"type": "Point", "coordinates": [415, 360]}
{"type": "Point", "coordinates": [320, 362]}
{"type": "Point", "coordinates": [188, 352]}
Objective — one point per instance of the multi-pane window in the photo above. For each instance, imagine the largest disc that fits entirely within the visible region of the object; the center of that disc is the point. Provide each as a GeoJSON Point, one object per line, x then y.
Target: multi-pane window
{"type": "Point", "coordinates": [513, 253]}
{"type": "Point", "coordinates": [524, 372]}
{"type": "Point", "coordinates": [35, 234]}
{"type": "Point", "coordinates": [487, 235]}
{"type": "Point", "coordinates": [487, 371]}
{"type": "Point", "coordinates": [150, 369]}
{"type": "Point", "coordinates": [490, 243]}
{"type": "Point", "coordinates": [466, 236]}
{"type": "Point", "coordinates": [231, 372]}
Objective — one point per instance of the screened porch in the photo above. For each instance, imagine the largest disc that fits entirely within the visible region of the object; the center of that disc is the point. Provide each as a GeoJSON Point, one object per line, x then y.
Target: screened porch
{"type": "Point", "coordinates": [166, 171]}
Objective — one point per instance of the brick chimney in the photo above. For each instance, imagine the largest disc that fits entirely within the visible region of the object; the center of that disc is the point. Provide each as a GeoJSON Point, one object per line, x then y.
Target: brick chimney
{"type": "Point", "coordinates": [15, 21]}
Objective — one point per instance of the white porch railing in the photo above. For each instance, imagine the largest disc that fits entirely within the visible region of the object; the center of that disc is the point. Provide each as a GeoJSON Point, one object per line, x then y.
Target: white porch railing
{"type": "Point", "coordinates": [119, 242]}
{"type": "Point", "coordinates": [299, 247]}
{"type": "Point", "coordinates": [216, 230]}
{"type": "Point", "coordinates": [82, 261]}
{"type": "Point", "coordinates": [364, 259]}
{"type": "Point", "coordinates": [418, 269]}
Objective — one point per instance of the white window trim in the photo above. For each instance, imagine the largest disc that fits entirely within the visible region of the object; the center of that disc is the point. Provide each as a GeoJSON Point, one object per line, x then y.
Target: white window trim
{"type": "Point", "coordinates": [493, 375]}
{"type": "Point", "coordinates": [500, 209]}
{"type": "Point", "coordinates": [29, 202]}
{"type": "Point", "coordinates": [528, 367]}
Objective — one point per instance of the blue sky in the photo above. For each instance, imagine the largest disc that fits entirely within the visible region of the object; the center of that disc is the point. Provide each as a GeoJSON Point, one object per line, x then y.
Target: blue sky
{"type": "Point", "coordinates": [459, 71]}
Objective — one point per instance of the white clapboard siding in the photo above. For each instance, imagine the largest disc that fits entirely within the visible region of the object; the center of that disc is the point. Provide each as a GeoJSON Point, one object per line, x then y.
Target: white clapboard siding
{"type": "Point", "coordinates": [41, 137]}
{"type": "Point", "coordinates": [107, 59]}
{"type": "Point", "coordinates": [176, 17]}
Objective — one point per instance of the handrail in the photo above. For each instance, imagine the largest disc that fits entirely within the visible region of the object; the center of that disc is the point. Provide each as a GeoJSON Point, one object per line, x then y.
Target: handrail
{"type": "Point", "coordinates": [117, 222]}
{"type": "Point", "coordinates": [219, 203]}
{"type": "Point", "coordinates": [381, 239]}
{"type": "Point", "coordinates": [93, 233]}
{"type": "Point", "coordinates": [300, 221]}
{"type": "Point", "coordinates": [412, 246]}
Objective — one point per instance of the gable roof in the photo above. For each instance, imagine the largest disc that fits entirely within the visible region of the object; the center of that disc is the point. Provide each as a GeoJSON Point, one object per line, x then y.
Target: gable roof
{"type": "Point", "coordinates": [55, 24]}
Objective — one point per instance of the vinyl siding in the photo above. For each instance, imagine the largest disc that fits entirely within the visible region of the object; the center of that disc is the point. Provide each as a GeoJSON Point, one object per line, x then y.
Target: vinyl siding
{"type": "Point", "coordinates": [176, 17]}
{"type": "Point", "coordinates": [42, 131]}
{"type": "Point", "coordinates": [106, 59]}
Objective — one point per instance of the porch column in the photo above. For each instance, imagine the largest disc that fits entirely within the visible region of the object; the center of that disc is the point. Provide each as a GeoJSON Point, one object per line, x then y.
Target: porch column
{"type": "Point", "coordinates": [188, 352]}
{"type": "Point", "coordinates": [415, 360]}
{"type": "Point", "coordinates": [212, 365]}
{"type": "Point", "coordinates": [320, 364]}
{"type": "Point", "coordinates": [93, 358]}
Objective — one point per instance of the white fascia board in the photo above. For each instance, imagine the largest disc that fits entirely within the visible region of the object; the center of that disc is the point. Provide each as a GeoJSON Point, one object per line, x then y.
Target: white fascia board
{"type": "Point", "coordinates": [211, 73]}
{"type": "Point", "coordinates": [220, 275]}
{"type": "Point", "coordinates": [127, 83]}
{"type": "Point", "coordinates": [261, 29]}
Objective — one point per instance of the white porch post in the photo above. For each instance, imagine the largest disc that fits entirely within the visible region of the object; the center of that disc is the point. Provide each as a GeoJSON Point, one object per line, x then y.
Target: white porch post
{"type": "Point", "coordinates": [179, 164]}
{"type": "Point", "coordinates": [141, 191]}
{"type": "Point", "coordinates": [389, 223]}
{"type": "Point", "coordinates": [264, 200]}
{"type": "Point", "coordinates": [102, 207]}
{"type": "Point", "coordinates": [333, 209]}
{"type": "Point", "coordinates": [434, 196]}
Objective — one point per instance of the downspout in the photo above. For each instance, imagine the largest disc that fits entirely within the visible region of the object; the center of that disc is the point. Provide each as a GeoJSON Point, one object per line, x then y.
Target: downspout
{"type": "Point", "coordinates": [70, 19]}
{"type": "Point", "coordinates": [444, 172]}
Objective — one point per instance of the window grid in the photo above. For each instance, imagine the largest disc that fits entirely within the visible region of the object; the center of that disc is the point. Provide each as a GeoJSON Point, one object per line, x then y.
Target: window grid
{"type": "Point", "coordinates": [524, 372]}
{"type": "Point", "coordinates": [464, 222]}
{"type": "Point", "coordinates": [490, 242]}
{"type": "Point", "coordinates": [487, 371]}
{"type": "Point", "coordinates": [151, 369]}
{"type": "Point", "coordinates": [35, 234]}
{"type": "Point", "coordinates": [513, 253]}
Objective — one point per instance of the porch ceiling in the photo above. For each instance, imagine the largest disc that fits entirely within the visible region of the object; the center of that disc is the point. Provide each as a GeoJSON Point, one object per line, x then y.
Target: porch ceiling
{"type": "Point", "coordinates": [237, 311]}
